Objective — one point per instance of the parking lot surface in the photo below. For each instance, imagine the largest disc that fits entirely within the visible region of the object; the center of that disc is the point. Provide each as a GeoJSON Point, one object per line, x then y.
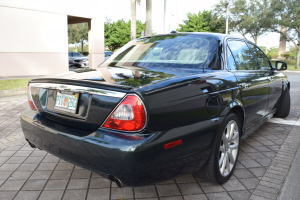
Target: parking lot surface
{"type": "Point", "coordinates": [264, 162]}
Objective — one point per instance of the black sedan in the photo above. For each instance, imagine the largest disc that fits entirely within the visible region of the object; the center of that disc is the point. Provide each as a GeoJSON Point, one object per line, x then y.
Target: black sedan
{"type": "Point", "coordinates": [160, 107]}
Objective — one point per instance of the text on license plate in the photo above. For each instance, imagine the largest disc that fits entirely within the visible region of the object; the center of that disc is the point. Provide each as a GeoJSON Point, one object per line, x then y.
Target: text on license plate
{"type": "Point", "coordinates": [66, 102]}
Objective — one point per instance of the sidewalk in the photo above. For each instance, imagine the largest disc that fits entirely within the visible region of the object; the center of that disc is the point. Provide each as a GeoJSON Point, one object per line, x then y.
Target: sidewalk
{"type": "Point", "coordinates": [265, 163]}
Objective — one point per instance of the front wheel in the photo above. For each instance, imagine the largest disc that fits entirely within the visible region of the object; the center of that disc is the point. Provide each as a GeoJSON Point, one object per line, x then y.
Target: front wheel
{"type": "Point", "coordinates": [223, 158]}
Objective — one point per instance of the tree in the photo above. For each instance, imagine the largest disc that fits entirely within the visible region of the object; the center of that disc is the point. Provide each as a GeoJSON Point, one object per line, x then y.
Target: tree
{"type": "Point", "coordinates": [78, 33]}
{"type": "Point", "coordinates": [287, 14]}
{"type": "Point", "coordinates": [133, 20]}
{"type": "Point", "coordinates": [117, 34]}
{"type": "Point", "coordinates": [202, 22]}
{"type": "Point", "coordinates": [247, 16]}
{"type": "Point", "coordinates": [148, 17]}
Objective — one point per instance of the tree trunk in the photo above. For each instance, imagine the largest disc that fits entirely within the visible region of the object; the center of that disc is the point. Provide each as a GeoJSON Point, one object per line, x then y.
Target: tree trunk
{"type": "Point", "coordinates": [148, 17]}
{"type": "Point", "coordinates": [133, 20]}
{"type": "Point", "coordinates": [298, 52]}
{"type": "Point", "coordinates": [297, 57]}
{"type": "Point", "coordinates": [75, 46]}
{"type": "Point", "coordinates": [81, 47]}
{"type": "Point", "coordinates": [282, 43]}
{"type": "Point", "coordinates": [255, 39]}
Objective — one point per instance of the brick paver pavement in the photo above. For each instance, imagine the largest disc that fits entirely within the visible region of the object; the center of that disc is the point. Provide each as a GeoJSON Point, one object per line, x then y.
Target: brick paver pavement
{"type": "Point", "coordinates": [25, 173]}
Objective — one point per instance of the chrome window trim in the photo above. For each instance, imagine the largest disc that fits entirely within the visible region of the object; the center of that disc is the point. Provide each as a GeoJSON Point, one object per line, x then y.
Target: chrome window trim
{"type": "Point", "coordinates": [79, 89]}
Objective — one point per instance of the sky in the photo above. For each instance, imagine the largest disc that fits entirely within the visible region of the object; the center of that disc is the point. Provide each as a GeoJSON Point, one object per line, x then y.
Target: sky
{"type": "Point", "coordinates": [176, 12]}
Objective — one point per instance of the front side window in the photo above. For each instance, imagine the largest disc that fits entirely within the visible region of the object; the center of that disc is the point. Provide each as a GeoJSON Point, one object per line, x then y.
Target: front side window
{"type": "Point", "coordinates": [242, 55]}
{"type": "Point", "coordinates": [172, 51]}
{"type": "Point", "coordinates": [261, 58]}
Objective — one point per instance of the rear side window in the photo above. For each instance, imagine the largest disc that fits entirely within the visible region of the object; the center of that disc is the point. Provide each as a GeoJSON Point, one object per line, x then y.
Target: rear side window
{"type": "Point", "coordinates": [261, 58]}
{"type": "Point", "coordinates": [242, 55]}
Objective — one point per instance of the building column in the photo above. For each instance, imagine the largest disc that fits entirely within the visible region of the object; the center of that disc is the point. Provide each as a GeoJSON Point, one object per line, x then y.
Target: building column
{"type": "Point", "coordinates": [96, 39]}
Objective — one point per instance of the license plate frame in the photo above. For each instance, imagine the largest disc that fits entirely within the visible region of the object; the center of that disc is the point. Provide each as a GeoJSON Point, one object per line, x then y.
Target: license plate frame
{"type": "Point", "coordinates": [66, 101]}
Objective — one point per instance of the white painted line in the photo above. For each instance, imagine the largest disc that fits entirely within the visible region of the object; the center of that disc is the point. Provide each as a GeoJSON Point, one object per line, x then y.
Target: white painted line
{"type": "Point", "coordinates": [283, 121]}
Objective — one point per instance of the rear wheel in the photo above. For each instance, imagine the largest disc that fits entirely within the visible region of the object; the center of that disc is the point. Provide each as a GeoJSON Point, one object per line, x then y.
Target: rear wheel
{"type": "Point", "coordinates": [285, 105]}
{"type": "Point", "coordinates": [223, 158]}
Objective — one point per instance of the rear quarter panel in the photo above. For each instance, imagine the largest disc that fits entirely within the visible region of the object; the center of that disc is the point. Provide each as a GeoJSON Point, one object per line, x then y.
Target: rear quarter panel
{"type": "Point", "coordinates": [189, 100]}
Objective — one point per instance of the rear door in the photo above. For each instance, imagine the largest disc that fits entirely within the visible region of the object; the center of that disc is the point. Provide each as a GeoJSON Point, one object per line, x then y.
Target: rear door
{"type": "Point", "coordinates": [252, 80]}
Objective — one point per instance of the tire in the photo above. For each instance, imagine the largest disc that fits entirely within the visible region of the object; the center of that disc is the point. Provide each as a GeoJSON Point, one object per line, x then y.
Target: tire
{"type": "Point", "coordinates": [225, 153]}
{"type": "Point", "coordinates": [285, 105]}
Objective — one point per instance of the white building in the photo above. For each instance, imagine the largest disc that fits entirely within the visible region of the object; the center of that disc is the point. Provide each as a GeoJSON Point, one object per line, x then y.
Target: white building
{"type": "Point", "coordinates": [34, 34]}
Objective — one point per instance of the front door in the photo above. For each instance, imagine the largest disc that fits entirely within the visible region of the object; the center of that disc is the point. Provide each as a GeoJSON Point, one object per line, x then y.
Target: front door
{"type": "Point", "coordinates": [274, 77]}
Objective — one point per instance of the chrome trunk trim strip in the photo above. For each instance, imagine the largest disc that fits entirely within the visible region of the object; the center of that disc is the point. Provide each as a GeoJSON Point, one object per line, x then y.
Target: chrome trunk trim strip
{"type": "Point", "coordinates": [79, 89]}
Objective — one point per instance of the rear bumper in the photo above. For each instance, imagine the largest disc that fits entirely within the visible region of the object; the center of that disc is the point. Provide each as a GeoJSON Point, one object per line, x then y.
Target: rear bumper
{"type": "Point", "coordinates": [135, 161]}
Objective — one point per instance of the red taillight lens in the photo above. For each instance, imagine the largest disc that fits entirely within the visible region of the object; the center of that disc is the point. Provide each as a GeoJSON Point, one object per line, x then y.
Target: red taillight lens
{"type": "Point", "coordinates": [130, 115]}
{"type": "Point", "coordinates": [30, 100]}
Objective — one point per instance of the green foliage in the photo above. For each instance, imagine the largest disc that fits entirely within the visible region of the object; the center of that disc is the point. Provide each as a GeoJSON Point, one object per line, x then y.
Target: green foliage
{"type": "Point", "coordinates": [117, 34]}
{"type": "Point", "coordinates": [79, 49]}
{"type": "Point", "coordinates": [273, 53]}
{"type": "Point", "coordinates": [293, 52]}
{"type": "Point", "coordinates": [263, 48]}
{"type": "Point", "coordinates": [246, 16]}
{"type": "Point", "coordinates": [203, 22]}
{"type": "Point", "coordinates": [286, 55]}
{"type": "Point", "coordinates": [287, 14]}
{"type": "Point", "coordinates": [78, 33]}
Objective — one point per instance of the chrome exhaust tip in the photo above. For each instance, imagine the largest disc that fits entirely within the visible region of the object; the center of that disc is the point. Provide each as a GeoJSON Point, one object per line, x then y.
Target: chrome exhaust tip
{"type": "Point", "coordinates": [116, 180]}
{"type": "Point", "coordinates": [32, 145]}
{"type": "Point", "coordinates": [119, 183]}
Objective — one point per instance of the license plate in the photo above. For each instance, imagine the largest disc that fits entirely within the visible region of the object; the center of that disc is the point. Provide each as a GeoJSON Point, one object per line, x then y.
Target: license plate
{"type": "Point", "coordinates": [66, 102]}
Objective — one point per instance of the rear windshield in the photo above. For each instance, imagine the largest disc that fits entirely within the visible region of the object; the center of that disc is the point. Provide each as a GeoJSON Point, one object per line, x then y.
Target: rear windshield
{"type": "Point", "coordinates": [172, 51]}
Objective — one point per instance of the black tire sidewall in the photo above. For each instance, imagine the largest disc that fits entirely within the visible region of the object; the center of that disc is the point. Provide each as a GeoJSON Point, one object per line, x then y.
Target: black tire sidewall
{"type": "Point", "coordinates": [285, 105]}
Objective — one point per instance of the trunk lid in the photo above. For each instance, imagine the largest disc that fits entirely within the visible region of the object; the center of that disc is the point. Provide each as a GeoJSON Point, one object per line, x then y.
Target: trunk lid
{"type": "Point", "coordinates": [77, 102]}
{"type": "Point", "coordinates": [96, 93]}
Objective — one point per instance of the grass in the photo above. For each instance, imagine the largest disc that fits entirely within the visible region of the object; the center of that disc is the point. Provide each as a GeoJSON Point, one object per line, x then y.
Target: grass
{"type": "Point", "coordinates": [13, 84]}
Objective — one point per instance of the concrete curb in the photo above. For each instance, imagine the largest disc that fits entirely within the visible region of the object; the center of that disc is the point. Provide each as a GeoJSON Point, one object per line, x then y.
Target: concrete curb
{"type": "Point", "coordinates": [4, 93]}
{"type": "Point", "coordinates": [291, 71]}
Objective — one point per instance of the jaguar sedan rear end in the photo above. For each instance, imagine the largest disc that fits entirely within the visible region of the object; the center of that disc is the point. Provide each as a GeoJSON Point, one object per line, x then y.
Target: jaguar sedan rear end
{"type": "Point", "coordinates": [161, 107]}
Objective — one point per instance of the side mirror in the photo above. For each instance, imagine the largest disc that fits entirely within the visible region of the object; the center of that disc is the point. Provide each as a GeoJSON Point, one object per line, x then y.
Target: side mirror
{"type": "Point", "coordinates": [280, 65]}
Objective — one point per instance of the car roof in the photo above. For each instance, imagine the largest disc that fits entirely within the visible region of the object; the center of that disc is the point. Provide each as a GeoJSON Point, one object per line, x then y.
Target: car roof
{"type": "Point", "coordinates": [218, 36]}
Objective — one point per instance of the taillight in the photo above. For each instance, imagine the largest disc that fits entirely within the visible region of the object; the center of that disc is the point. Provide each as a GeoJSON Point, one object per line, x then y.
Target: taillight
{"type": "Point", "coordinates": [130, 115]}
{"type": "Point", "coordinates": [30, 100]}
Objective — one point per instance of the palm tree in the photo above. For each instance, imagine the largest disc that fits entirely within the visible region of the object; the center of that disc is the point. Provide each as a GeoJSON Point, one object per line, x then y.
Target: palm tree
{"type": "Point", "coordinates": [148, 17]}
{"type": "Point", "coordinates": [133, 20]}
{"type": "Point", "coordinates": [282, 42]}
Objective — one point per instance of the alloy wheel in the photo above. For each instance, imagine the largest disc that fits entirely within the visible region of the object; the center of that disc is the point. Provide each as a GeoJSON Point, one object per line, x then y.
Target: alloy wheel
{"type": "Point", "coordinates": [229, 147]}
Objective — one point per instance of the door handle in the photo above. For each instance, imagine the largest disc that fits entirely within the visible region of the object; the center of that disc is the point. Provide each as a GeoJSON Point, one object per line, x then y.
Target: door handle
{"type": "Point", "coordinates": [244, 85]}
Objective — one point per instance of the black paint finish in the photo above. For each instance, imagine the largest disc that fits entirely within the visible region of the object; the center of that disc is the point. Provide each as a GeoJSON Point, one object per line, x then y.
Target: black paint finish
{"type": "Point", "coordinates": [187, 104]}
